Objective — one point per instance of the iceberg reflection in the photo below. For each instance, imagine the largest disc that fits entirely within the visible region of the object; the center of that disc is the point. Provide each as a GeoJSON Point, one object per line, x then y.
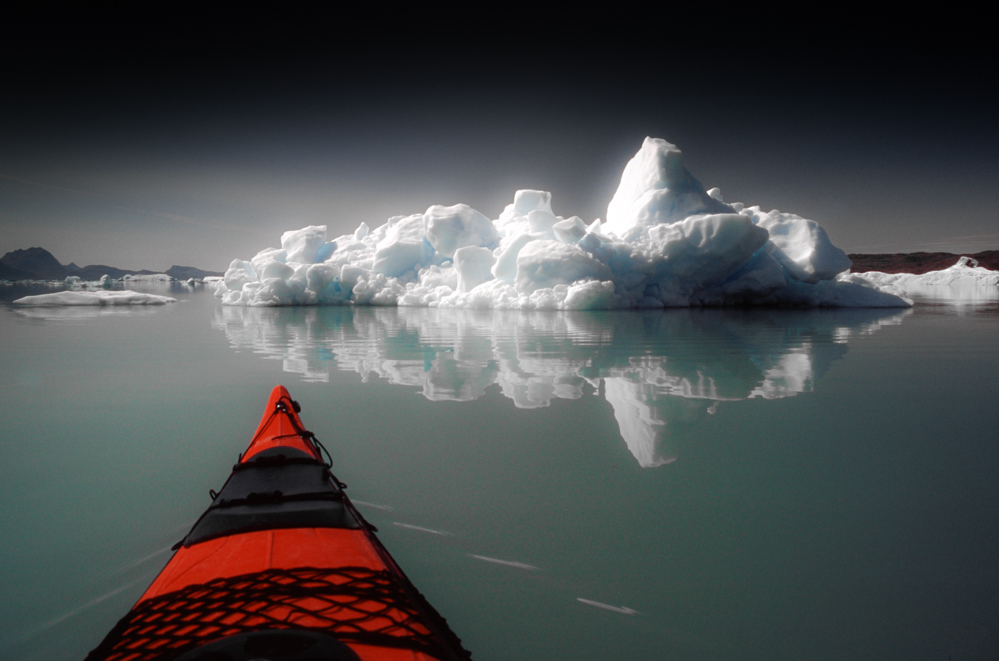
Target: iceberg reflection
{"type": "Point", "coordinates": [661, 372]}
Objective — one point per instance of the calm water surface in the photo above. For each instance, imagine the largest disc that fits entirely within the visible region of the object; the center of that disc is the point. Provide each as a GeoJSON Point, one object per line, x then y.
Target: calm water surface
{"type": "Point", "coordinates": [689, 484]}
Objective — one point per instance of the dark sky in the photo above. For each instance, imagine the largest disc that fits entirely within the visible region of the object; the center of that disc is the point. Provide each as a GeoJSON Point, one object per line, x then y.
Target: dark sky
{"type": "Point", "coordinates": [175, 139]}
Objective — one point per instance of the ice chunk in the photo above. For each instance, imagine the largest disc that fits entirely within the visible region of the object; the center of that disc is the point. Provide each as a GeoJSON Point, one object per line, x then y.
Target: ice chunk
{"type": "Point", "coordinates": [759, 276]}
{"type": "Point", "coordinates": [506, 264]}
{"type": "Point", "coordinates": [803, 247]}
{"type": "Point", "coordinates": [450, 228]}
{"type": "Point", "coordinates": [526, 201]}
{"type": "Point", "coordinates": [322, 279]}
{"type": "Point", "coordinates": [276, 269]}
{"type": "Point", "coordinates": [351, 275]}
{"type": "Point", "coordinates": [473, 265]}
{"type": "Point", "coordinates": [570, 230]}
{"type": "Point", "coordinates": [591, 295]}
{"type": "Point", "coordinates": [238, 274]}
{"type": "Point", "coordinates": [265, 256]}
{"type": "Point", "coordinates": [549, 263]}
{"type": "Point", "coordinates": [540, 221]}
{"type": "Point", "coordinates": [303, 245]}
{"type": "Point", "coordinates": [404, 248]}
{"type": "Point", "coordinates": [326, 251]}
{"type": "Point", "coordinates": [703, 249]}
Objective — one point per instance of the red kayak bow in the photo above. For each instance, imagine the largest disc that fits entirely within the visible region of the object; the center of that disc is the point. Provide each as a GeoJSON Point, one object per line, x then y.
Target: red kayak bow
{"type": "Point", "coordinates": [281, 567]}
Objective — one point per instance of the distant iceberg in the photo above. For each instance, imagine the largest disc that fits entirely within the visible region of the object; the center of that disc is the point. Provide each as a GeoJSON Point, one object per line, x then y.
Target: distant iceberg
{"type": "Point", "coordinates": [964, 281]}
{"type": "Point", "coordinates": [146, 277]}
{"type": "Point", "coordinates": [94, 298]}
{"type": "Point", "coordinates": [666, 242]}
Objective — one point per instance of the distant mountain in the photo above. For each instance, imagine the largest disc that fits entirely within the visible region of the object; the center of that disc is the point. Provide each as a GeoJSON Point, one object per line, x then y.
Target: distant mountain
{"type": "Point", "coordinates": [40, 264]}
{"type": "Point", "coordinates": [37, 263]}
{"type": "Point", "coordinates": [11, 273]}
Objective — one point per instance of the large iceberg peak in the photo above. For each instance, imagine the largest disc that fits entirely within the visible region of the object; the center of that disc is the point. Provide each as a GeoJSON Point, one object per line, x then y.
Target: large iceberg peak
{"type": "Point", "coordinates": [656, 188]}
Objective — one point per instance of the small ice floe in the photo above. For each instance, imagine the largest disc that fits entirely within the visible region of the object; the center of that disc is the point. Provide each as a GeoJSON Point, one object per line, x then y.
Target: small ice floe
{"type": "Point", "coordinates": [624, 610]}
{"type": "Point", "coordinates": [508, 563]}
{"type": "Point", "coordinates": [94, 298]}
{"type": "Point", "coordinates": [422, 529]}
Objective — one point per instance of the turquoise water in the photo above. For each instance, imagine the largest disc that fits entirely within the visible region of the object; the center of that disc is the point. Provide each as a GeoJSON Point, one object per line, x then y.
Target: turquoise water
{"type": "Point", "coordinates": [711, 484]}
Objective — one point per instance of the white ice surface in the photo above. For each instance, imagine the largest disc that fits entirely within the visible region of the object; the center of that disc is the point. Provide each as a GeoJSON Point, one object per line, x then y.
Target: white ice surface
{"type": "Point", "coordinates": [966, 280]}
{"type": "Point", "coordinates": [94, 298]}
{"type": "Point", "coordinates": [666, 243]}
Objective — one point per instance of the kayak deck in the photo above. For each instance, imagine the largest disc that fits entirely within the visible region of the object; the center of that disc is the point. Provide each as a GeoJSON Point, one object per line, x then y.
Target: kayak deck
{"type": "Point", "coordinates": [281, 566]}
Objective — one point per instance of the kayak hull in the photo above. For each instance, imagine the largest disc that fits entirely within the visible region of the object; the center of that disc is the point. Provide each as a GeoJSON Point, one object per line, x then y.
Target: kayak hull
{"type": "Point", "coordinates": [282, 567]}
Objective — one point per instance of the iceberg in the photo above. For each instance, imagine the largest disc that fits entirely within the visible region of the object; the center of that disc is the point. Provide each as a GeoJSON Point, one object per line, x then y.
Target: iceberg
{"type": "Point", "coordinates": [667, 242]}
{"type": "Point", "coordinates": [964, 281]}
{"type": "Point", "coordinates": [101, 298]}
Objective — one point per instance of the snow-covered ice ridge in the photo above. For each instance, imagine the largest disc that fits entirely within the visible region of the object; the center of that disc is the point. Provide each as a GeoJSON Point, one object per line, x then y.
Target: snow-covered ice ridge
{"type": "Point", "coordinates": [666, 243]}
